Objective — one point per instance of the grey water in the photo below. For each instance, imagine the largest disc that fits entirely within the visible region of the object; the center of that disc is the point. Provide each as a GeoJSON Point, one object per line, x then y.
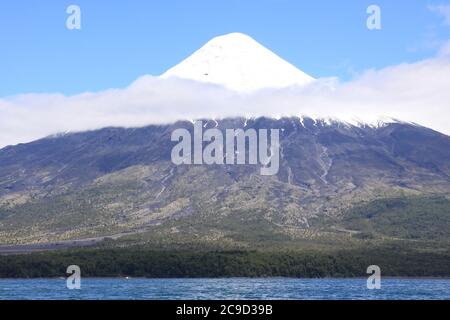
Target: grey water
{"type": "Point", "coordinates": [224, 288]}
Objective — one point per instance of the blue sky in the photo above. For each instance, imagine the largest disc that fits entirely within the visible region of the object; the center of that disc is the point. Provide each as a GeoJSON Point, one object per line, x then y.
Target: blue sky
{"type": "Point", "coordinates": [122, 40]}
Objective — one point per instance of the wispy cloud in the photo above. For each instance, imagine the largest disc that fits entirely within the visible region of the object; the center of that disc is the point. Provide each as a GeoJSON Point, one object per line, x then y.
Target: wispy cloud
{"type": "Point", "coordinates": [444, 50]}
{"type": "Point", "coordinates": [417, 92]}
{"type": "Point", "coordinates": [442, 10]}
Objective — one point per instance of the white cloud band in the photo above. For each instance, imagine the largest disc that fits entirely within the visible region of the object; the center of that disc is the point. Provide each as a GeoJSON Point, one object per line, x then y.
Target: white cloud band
{"type": "Point", "coordinates": [418, 92]}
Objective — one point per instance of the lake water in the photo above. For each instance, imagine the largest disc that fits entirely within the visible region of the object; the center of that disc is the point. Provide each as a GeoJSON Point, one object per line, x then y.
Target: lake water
{"type": "Point", "coordinates": [234, 288]}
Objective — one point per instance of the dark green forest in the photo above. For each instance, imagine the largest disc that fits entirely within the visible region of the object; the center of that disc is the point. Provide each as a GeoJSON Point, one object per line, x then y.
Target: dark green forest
{"type": "Point", "coordinates": [141, 262]}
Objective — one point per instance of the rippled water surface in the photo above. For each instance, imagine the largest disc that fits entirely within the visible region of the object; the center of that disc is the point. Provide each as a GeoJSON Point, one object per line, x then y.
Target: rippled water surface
{"type": "Point", "coordinates": [234, 288]}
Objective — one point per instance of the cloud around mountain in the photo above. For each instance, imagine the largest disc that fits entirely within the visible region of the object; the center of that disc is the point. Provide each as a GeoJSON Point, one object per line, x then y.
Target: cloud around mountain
{"type": "Point", "coordinates": [416, 92]}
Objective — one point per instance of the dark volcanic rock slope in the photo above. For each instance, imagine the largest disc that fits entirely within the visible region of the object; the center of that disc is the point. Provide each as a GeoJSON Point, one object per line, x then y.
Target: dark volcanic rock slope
{"type": "Point", "coordinates": [117, 180]}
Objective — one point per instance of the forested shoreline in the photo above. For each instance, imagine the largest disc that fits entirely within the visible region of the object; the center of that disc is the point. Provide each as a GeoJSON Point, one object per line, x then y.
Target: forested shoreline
{"type": "Point", "coordinates": [231, 263]}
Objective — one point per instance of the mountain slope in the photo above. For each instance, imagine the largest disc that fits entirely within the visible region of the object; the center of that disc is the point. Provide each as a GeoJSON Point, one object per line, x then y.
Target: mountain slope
{"type": "Point", "coordinates": [115, 180]}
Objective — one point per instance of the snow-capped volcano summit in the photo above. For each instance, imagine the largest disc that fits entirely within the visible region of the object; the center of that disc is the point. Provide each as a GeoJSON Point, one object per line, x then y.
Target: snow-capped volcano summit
{"type": "Point", "coordinates": [238, 62]}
